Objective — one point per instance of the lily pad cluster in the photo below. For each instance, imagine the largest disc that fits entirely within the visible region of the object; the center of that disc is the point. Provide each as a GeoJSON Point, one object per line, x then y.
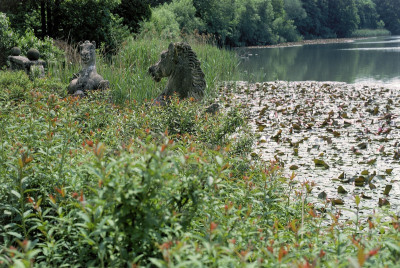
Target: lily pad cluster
{"type": "Point", "coordinates": [342, 137]}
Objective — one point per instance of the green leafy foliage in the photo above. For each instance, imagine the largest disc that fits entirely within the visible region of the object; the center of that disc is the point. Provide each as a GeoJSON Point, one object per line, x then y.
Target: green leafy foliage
{"type": "Point", "coordinates": [28, 40]}
{"type": "Point", "coordinates": [133, 12]}
{"type": "Point", "coordinates": [389, 12]}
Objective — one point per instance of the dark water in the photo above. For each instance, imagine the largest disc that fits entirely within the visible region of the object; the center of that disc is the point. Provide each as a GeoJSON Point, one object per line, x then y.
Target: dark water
{"type": "Point", "coordinates": [374, 60]}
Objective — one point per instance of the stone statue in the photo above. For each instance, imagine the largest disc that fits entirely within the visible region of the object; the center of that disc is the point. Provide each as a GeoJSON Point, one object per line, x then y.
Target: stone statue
{"type": "Point", "coordinates": [31, 64]}
{"type": "Point", "coordinates": [181, 65]}
{"type": "Point", "coordinates": [87, 78]}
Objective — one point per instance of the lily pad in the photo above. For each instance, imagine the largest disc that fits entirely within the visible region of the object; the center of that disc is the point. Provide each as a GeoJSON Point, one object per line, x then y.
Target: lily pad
{"type": "Point", "coordinates": [387, 189]}
{"type": "Point", "coordinates": [383, 202]}
{"type": "Point", "coordinates": [293, 167]}
{"type": "Point", "coordinates": [320, 163]}
{"type": "Point", "coordinates": [341, 190]}
{"type": "Point", "coordinates": [337, 202]}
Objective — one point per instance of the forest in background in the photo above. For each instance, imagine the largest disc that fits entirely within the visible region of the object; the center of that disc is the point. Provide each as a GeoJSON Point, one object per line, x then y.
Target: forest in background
{"type": "Point", "coordinates": [229, 22]}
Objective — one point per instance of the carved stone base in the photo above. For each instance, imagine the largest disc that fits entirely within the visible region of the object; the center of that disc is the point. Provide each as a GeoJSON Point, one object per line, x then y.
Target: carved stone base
{"type": "Point", "coordinates": [22, 63]}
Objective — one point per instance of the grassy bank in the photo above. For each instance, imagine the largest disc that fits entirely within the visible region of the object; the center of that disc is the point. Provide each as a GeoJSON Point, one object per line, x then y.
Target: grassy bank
{"type": "Point", "coordinates": [88, 183]}
{"type": "Point", "coordinates": [370, 33]}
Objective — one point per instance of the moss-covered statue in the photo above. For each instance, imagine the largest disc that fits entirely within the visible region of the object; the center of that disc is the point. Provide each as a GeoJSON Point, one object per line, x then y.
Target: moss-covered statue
{"type": "Point", "coordinates": [87, 78]}
{"type": "Point", "coordinates": [181, 65]}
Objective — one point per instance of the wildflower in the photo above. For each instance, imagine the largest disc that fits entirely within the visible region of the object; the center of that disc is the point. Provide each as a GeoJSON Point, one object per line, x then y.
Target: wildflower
{"type": "Point", "coordinates": [60, 191]}
{"type": "Point", "coordinates": [213, 226]}
{"type": "Point", "coordinates": [52, 199]}
{"type": "Point", "coordinates": [373, 252]}
{"type": "Point", "coordinates": [89, 142]}
{"type": "Point", "coordinates": [163, 147]}
{"type": "Point", "coordinates": [282, 253]}
{"type": "Point", "coordinates": [322, 253]}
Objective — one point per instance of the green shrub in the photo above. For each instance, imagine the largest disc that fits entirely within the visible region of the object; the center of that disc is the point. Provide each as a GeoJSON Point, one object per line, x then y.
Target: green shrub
{"type": "Point", "coordinates": [9, 39]}
{"type": "Point", "coordinates": [6, 38]}
{"type": "Point", "coordinates": [162, 23]}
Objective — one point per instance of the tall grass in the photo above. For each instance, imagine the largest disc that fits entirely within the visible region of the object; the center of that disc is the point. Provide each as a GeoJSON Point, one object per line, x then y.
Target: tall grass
{"type": "Point", "coordinates": [127, 71]}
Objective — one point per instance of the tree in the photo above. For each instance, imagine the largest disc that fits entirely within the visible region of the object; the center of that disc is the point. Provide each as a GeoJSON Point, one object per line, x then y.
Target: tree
{"type": "Point", "coordinates": [343, 17]}
{"type": "Point", "coordinates": [389, 12]}
{"type": "Point", "coordinates": [368, 15]}
{"type": "Point", "coordinates": [133, 12]}
{"type": "Point", "coordinates": [294, 10]}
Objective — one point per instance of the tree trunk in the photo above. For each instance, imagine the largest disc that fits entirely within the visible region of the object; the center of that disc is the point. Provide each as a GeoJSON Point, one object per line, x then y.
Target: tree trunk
{"type": "Point", "coordinates": [43, 17]}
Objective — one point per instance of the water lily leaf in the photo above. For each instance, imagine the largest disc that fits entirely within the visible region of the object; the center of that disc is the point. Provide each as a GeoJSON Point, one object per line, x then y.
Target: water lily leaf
{"type": "Point", "coordinates": [360, 181]}
{"type": "Point", "coordinates": [383, 202]}
{"type": "Point", "coordinates": [322, 195]}
{"type": "Point", "coordinates": [336, 134]}
{"type": "Point", "coordinates": [389, 171]}
{"type": "Point", "coordinates": [337, 202]}
{"type": "Point", "coordinates": [341, 190]}
{"type": "Point", "coordinates": [372, 186]}
{"type": "Point", "coordinates": [341, 176]}
{"type": "Point", "coordinates": [263, 111]}
{"type": "Point", "coordinates": [296, 126]}
{"type": "Point", "coordinates": [365, 196]}
{"type": "Point", "coordinates": [387, 189]}
{"type": "Point", "coordinates": [362, 145]}
{"type": "Point", "coordinates": [365, 172]}
{"type": "Point", "coordinates": [277, 134]}
{"type": "Point", "coordinates": [347, 123]}
{"type": "Point", "coordinates": [293, 167]}
{"type": "Point", "coordinates": [320, 163]}
{"type": "Point", "coordinates": [261, 128]}
{"type": "Point", "coordinates": [371, 161]}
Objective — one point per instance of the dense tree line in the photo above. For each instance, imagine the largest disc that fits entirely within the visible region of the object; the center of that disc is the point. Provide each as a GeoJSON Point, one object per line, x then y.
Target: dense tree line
{"type": "Point", "coordinates": [231, 22]}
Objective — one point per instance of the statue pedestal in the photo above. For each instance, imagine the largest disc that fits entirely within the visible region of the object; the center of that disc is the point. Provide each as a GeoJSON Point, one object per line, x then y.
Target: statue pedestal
{"type": "Point", "coordinates": [23, 63]}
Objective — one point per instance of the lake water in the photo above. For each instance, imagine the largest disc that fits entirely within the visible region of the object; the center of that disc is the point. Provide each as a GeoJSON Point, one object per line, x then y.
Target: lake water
{"type": "Point", "coordinates": [373, 60]}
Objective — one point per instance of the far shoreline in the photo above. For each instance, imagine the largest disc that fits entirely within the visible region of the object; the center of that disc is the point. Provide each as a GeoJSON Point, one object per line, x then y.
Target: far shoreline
{"type": "Point", "coordinates": [313, 42]}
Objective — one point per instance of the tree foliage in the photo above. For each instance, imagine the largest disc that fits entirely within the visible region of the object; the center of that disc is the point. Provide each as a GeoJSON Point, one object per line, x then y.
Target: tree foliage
{"type": "Point", "coordinates": [230, 22]}
{"type": "Point", "coordinates": [389, 12]}
{"type": "Point", "coordinates": [133, 12]}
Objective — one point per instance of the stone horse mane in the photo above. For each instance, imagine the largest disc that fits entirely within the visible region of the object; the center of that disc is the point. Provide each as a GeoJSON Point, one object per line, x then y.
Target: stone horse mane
{"type": "Point", "coordinates": [185, 53]}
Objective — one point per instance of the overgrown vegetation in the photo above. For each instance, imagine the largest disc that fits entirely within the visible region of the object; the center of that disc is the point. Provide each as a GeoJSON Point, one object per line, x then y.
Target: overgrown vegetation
{"type": "Point", "coordinates": [88, 183]}
{"type": "Point", "coordinates": [109, 180]}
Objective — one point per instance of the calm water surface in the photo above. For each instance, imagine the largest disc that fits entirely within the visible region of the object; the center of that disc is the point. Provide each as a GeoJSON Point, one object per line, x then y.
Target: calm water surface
{"type": "Point", "coordinates": [374, 60]}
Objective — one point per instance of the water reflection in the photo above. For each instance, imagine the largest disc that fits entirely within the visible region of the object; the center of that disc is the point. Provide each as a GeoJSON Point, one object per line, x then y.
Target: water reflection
{"type": "Point", "coordinates": [372, 60]}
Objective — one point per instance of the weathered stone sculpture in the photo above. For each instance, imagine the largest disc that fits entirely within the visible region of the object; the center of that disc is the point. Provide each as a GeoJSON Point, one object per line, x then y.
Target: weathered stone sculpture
{"type": "Point", "coordinates": [31, 64]}
{"type": "Point", "coordinates": [87, 78]}
{"type": "Point", "coordinates": [181, 65]}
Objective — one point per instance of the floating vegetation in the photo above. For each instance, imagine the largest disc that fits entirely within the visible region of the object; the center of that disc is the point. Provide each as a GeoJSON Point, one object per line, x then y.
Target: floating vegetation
{"type": "Point", "coordinates": [342, 137]}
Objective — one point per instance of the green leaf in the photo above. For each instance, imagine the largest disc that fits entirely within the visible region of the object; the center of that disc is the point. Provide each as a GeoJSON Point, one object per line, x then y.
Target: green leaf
{"type": "Point", "coordinates": [357, 198]}
{"type": "Point", "coordinates": [17, 235]}
{"type": "Point", "coordinates": [16, 193]}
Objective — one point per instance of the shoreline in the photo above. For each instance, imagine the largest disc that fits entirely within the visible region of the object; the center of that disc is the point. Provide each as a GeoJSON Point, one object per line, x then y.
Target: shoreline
{"type": "Point", "coordinates": [312, 42]}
